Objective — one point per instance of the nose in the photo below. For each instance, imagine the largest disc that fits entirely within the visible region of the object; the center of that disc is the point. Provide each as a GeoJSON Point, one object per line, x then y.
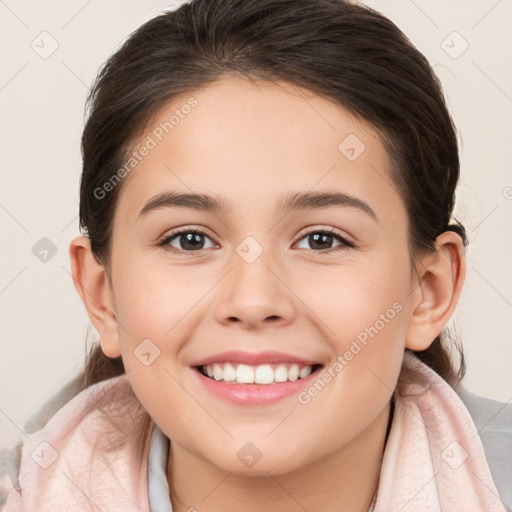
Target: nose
{"type": "Point", "coordinates": [255, 294]}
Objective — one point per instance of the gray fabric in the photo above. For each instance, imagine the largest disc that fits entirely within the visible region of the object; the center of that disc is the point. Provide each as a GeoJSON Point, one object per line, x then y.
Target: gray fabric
{"type": "Point", "coordinates": [493, 421]}
{"type": "Point", "coordinates": [9, 467]}
{"type": "Point", "coordinates": [10, 458]}
{"type": "Point", "coordinates": [38, 420]}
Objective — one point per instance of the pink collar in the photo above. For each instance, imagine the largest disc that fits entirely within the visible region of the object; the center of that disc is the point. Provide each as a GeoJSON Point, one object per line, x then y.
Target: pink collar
{"type": "Point", "coordinates": [94, 453]}
{"type": "Point", "coordinates": [434, 460]}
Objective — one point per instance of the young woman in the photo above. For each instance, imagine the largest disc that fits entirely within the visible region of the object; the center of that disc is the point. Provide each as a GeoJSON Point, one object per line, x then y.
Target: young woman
{"type": "Point", "coordinates": [270, 259]}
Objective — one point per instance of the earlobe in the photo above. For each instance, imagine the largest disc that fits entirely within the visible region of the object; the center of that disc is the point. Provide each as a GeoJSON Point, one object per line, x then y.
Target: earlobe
{"type": "Point", "coordinates": [92, 284]}
{"type": "Point", "coordinates": [440, 282]}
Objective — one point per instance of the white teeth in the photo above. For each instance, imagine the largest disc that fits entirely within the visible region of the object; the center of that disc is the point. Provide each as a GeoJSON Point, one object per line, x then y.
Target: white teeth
{"type": "Point", "coordinates": [217, 372]}
{"type": "Point", "coordinates": [229, 373]}
{"type": "Point", "coordinates": [281, 374]}
{"type": "Point", "coordinates": [293, 372]}
{"type": "Point", "coordinates": [304, 372]}
{"type": "Point", "coordinates": [261, 374]}
{"type": "Point", "coordinates": [264, 374]}
{"type": "Point", "coordinates": [244, 374]}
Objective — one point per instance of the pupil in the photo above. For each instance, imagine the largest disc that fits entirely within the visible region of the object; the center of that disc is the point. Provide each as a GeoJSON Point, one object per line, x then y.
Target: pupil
{"type": "Point", "coordinates": [318, 239]}
{"type": "Point", "coordinates": [193, 240]}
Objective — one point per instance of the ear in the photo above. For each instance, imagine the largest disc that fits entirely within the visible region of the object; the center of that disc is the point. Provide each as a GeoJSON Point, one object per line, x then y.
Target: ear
{"type": "Point", "coordinates": [93, 285]}
{"type": "Point", "coordinates": [441, 276]}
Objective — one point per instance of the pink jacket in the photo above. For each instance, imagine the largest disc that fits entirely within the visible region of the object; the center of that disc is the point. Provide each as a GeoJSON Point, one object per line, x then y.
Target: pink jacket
{"type": "Point", "coordinates": [93, 453]}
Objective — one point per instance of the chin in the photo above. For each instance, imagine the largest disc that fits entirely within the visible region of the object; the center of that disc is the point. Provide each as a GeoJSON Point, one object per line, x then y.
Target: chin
{"type": "Point", "coordinates": [249, 461]}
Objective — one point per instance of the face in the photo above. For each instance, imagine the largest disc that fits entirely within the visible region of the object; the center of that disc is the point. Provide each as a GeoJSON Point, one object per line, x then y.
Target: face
{"type": "Point", "coordinates": [327, 281]}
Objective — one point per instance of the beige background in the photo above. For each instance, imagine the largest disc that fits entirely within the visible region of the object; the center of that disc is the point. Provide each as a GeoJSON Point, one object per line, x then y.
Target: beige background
{"type": "Point", "coordinates": [44, 324]}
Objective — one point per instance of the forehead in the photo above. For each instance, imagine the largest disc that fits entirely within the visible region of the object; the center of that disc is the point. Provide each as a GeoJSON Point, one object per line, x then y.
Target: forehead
{"type": "Point", "coordinates": [252, 142]}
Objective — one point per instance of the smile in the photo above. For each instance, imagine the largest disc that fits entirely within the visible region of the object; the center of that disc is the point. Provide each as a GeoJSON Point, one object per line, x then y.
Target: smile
{"type": "Point", "coordinates": [279, 381]}
{"type": "Point", "coordinates": [257, 374]}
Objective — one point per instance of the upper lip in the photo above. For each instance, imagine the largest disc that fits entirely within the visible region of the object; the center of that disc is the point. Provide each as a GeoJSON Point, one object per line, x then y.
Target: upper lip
{"type": "Point", "coordinates": [253, 358]}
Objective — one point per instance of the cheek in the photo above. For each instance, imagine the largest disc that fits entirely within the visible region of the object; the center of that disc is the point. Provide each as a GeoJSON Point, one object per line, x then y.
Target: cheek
{"type": "Point", "coordinates": [151, 299]}
{"type": "Point", "coordinates": [355, 297]}
{"type": "Point", "coordinates": [364, 311]}
{"type": "Point", "coordinates": [152, 302]}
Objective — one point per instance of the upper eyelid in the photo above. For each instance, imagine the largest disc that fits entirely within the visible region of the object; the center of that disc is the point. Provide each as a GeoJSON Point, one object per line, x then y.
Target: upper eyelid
{"type": "Point", "coordinates": [329, 230]}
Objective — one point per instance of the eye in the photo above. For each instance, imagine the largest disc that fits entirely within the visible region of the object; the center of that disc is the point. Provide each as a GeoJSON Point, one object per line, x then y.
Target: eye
{"type": "Point", "coordinates": [322, 240]}
{"type": "Point", "coordinates": [189, 240]}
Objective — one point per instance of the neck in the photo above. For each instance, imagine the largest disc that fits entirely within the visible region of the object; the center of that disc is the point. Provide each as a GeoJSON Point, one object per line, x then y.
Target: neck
{"type": "Point", "coordinates": [343, 480]}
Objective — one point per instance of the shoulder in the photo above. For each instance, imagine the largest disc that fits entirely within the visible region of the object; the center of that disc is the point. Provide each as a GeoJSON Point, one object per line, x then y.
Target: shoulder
{"type": "Point", "coordinates": [469, 412]}
{"type": "Point", "coordinates": [71, 409]}
{"type": "Point", "coordinates": [487, 414]}
{"type": "Point", "coordinates": [493, 421]}
{"type": "Point", "coordinates": [10, 458]}
{"type": "Point", "coordinates": [10, 461]}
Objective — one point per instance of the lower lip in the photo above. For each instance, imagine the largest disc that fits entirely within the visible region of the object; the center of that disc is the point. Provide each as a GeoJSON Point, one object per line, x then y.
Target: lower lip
{"type": "Point", "coordinates": [259, 394]}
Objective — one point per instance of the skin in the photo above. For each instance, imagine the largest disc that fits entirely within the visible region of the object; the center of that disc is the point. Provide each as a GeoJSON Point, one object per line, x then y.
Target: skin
{"type": "Point", "coordinates": [254, 143]}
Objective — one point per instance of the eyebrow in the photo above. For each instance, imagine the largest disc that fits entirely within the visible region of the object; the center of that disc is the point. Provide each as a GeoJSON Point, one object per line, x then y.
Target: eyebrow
{"type": "Point", "coordinates": [216, 204]}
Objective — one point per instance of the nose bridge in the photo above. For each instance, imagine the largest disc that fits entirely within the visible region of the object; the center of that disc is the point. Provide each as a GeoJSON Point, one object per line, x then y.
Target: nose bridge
{"type": "Point", "coordinates": [253, 292]}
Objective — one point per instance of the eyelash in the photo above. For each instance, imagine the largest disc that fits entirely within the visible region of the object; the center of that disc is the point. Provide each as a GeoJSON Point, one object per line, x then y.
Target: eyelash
{"type": "Point", "coordinates": [345, 244]}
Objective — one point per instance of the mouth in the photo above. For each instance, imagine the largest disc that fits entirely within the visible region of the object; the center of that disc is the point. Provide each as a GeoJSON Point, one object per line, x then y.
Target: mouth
{"type": "Point", "coordinates": [264, 374]}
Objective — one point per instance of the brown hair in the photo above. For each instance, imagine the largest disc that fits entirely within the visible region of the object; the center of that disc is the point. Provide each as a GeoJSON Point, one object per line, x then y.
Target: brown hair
{"type": "Point", "coordinates": [341, 51]}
